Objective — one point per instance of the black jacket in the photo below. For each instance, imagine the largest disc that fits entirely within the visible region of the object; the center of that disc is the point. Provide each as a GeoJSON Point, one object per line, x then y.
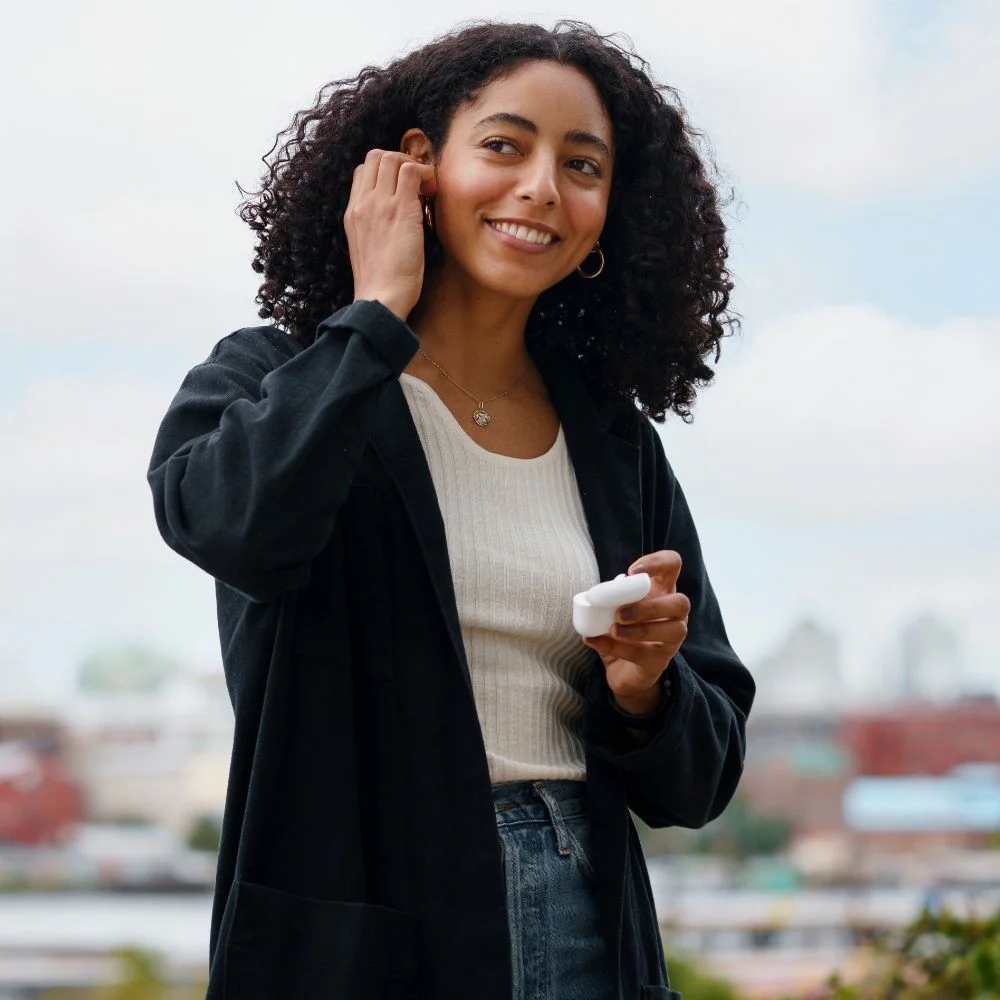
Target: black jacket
{"type": "Point", "coordinates": [359, 856]}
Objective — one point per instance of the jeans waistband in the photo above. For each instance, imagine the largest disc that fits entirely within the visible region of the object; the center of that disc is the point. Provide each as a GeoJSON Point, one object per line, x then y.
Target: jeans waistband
{"type": "Point", "coordinates": [541, 799]}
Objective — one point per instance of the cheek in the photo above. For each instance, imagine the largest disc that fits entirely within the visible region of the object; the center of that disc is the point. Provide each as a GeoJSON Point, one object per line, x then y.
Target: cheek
{"type": "Point", "coordinates": [588, 214]}
{"type": "Point", "coordinates": [466, 193]}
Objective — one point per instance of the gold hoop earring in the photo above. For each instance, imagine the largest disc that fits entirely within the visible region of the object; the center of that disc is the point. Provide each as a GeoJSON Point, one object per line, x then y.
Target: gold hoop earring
{"type": "Point", "coordinates": [600, 267]}
{"type": "Point", "coordinates": [428, 218]}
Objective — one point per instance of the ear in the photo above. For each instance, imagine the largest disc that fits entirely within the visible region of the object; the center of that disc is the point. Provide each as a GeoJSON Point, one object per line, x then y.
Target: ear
{"type": "Point", "coordinates": [416, 144]}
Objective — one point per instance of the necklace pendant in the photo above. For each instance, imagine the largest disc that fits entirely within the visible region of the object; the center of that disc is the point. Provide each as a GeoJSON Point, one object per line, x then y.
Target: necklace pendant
{"type": "Point", "coordinates": [481, 417]}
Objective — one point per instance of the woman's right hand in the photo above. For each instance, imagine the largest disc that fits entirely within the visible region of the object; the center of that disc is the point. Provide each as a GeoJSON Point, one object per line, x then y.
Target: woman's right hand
{"type": "Point", "coordinates": [384, 222]}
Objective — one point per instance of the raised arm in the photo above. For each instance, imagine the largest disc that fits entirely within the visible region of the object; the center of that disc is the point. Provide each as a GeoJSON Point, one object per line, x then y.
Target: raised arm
{"type": "Point", "coordinates": [260, 445]}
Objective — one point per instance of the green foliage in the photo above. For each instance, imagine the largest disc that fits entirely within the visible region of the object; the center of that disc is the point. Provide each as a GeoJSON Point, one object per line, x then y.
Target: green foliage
{"type": "Point", "coordinates": [738, 833]}
{"type": "Point", "coordinates": [141, 978]}
{"type": "Point", "coordinates": [125, 668]}
{"type": "Point", "coordinates": [937, 957]}
{"type": "Point", "coordinates": [693, 984]}
{"type": "Point", "coordinates": [204, 834]}
{"type": "Point", "coordinates": [15, 881]}
{"type": "Point", "coordinates": [741, 833]}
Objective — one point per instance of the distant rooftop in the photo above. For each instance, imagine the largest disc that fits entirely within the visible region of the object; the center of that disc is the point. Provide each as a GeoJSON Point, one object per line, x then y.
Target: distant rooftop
{"type": "Point", "coordinates": [966, 799]}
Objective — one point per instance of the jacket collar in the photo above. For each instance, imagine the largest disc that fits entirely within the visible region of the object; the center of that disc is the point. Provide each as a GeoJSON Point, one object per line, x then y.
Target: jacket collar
{"type": "Point", "coordinates": [604, 462]}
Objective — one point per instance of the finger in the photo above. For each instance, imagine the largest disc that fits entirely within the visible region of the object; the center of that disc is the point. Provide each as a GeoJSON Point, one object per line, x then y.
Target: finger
{"type": "Point", "coordinates": [388, 172]}
{"type": "Point", "coordinates": [666, 633]}
{"type": "Point", "coordinates": [408, 182]}
{"type": "Point", "coordinates": [369, 169]}
{"type": "Point", "coordinates": [664, 566]}
{"type": "Point", "coordinates": [356, 182]}
{"type": "Point", "coordinates": [651, 609]}
{"type": "Point", "coordinates": [426, 179]}
{"type": "Point", "coordinates": [649, 657]}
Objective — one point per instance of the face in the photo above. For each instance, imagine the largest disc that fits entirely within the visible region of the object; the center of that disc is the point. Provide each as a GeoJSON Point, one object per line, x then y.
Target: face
{"type": "Point", "coordinates": [523, 180]}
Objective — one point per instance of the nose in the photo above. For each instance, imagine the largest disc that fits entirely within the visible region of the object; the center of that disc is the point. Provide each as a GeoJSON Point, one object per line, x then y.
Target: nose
{"type": "Point", "coordinates": [538, 182]}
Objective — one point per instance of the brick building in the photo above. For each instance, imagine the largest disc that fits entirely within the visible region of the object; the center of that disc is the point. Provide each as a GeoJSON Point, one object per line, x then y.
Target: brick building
{"type": "Point", "coordinates": [922, 739]}
{"type": "Point", "coordinates": [39, 803]}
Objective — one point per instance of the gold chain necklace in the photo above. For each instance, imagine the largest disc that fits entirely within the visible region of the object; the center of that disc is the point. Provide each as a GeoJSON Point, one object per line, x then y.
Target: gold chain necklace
{"type": "Point", "coordinates": [481, 417]}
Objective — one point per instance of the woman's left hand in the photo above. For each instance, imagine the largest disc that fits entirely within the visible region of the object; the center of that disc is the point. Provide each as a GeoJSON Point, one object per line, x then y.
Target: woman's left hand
{"type": "Point", "coordinates": [645, 636]}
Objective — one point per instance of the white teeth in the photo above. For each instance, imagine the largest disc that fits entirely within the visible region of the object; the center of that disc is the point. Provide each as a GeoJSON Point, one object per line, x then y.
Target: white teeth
{"type": "Point", "coordinates": [523, 233]}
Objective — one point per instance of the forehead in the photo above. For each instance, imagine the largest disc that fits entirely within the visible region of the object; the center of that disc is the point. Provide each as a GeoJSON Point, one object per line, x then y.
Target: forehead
{"type": "Point", "coordinates": [547, 93]}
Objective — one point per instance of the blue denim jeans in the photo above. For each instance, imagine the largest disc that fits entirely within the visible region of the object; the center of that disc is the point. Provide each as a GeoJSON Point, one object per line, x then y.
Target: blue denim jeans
{"type": "Point", "coordinates": [558, 951]}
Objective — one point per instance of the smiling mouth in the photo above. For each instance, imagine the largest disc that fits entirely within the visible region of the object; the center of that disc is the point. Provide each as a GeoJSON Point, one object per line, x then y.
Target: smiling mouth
{"type": "Point", "coordinates": [523, 233]}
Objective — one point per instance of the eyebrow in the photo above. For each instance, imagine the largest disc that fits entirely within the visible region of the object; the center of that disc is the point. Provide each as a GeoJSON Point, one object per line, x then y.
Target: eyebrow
{"type": "Point", "coordinates": [574, 136]}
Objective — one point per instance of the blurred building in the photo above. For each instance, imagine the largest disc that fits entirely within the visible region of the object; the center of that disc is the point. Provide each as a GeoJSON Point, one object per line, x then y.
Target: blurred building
{"type": "Point", "coordinates": [802, 676]}
{"type": "Point", "coordinates": [157, 751]}
{"type": "Point", "coordinates": [39, 803]}
{"type": "Point", "coordinates": [796, 770]}
{"type": "Point", "coordinates": [39, 800]}
{"type": "Point", "coordinates": [863, 792]}
{"type": "Point", "coordinates": [922, 739]}
{"type": "Point", "coordinates": [931, 667]}
{"type": "Point", "coordinates": [39, 726]}
{"type": "Point", "coordinates": [918, 813]}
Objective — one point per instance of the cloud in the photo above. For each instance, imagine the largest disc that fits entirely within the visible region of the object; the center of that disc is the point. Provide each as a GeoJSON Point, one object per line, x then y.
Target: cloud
{"type": "Point", "coordinates": [133, 123]}
{"type": "Point", "coordinates": [843, 413]}
{"type": "Point", "coordinates": [829, 97]}
{"type": "Point", "coordinates": [83, 562]}
{"type": "Point", "coordinates": [844, 468]}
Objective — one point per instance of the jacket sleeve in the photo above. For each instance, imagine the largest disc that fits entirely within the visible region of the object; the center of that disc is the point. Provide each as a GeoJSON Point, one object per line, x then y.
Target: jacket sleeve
{"type": "Point", "coordinates": [259, 447]}
{"type": "Point", "coordinates": [688, 771]}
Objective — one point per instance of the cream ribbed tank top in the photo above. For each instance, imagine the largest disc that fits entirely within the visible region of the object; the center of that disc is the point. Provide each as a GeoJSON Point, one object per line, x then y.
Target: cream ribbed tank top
{"type": "Point", "coordinates": [519, 549]}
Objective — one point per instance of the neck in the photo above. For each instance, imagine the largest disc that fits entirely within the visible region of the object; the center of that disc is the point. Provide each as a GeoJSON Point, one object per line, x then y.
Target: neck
{"type": "Point", "coordinates": [476, 335]}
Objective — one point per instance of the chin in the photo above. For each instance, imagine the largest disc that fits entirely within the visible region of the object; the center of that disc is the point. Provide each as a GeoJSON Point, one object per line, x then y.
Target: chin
{"type": "Point", "coordinates": [519, 283]}
{"type": "Point", "coordinates": [515, 280]}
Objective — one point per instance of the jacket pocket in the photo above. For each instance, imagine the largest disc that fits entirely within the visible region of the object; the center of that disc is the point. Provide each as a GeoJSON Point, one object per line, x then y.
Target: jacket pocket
{"type": "Point", "coordinates": [659, 993]}
{"type": "Point", "coordinates": [283, 945]}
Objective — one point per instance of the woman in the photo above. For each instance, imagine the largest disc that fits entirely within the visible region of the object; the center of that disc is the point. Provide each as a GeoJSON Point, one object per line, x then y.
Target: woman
{"type": "Point", "coordinates": [489, 265]}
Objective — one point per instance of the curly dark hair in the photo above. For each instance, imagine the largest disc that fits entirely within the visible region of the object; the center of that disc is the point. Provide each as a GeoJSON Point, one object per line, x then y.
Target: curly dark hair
{"type": "Point", "coordinates": [642, 332]}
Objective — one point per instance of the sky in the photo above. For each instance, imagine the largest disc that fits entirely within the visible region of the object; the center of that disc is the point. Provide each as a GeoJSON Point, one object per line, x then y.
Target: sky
{"type": "Point", "coordinates": [845, 465]}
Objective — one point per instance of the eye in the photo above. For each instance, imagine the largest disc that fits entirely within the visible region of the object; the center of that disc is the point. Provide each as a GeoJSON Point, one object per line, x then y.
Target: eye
{"type": "Point", "coordinates": [586, 166]}
{"type": "Point", "coordinates": [493, 143]}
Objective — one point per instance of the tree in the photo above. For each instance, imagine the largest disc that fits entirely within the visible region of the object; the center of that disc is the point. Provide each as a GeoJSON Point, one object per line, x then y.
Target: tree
{"type": "Point", "coordinates": [142, 978]}
{"type": "Point", "coordinates": [937, 957]}
{"type": "Point", "coordinates": [126, 668]}
{"type": "Point", "coordinates": [738, 833]}
{"type": "Point", "coordinates": [204, 834]}
{"type": "Point", "coordinates": [693, 984]}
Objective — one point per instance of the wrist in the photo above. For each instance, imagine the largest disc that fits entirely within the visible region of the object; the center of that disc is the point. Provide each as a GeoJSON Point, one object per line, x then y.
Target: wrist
{"type": "Point", "coordinates": [394, 303]}
{"type": "Point", "coordinates": [643, 702]}
{"type": "Point", "coordinates": [643, 724]}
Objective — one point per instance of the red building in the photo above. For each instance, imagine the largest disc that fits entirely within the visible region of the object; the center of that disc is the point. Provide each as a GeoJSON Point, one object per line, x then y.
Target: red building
{"type": "Point", "coordinates": [39, 803]}
{"type": "Point", "coordinates": [922, 739]}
